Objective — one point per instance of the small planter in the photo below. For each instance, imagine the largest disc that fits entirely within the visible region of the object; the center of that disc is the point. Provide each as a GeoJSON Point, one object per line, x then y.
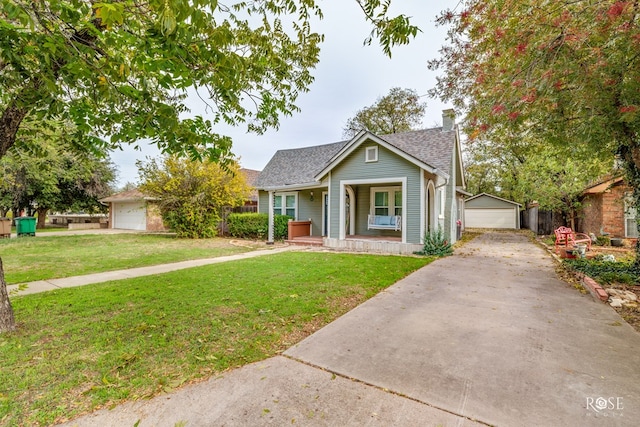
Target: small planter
{"type": "Point", "coordinates": [616, 241]}
{"type": "Point", "coordinates": [569, 253]}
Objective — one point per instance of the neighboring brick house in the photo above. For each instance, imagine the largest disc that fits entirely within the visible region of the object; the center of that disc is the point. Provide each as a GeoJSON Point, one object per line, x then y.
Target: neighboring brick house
{"type": "Point", "coordinates": [605, 208]}
{"type": "Point", "coordinates": [251, 204]}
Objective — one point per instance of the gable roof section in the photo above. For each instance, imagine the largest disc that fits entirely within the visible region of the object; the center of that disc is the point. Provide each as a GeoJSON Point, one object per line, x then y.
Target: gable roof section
{"type": "Point", "coordinates": [431, 149]}
{"type": "Point", "coordinates": [431, 146]}
{"type": "Point", "coordinates": [602, 185]}
{"type": "Point", "coordinates": [477, 196]}
{"type": "Point", "coordinates": [127, 196]}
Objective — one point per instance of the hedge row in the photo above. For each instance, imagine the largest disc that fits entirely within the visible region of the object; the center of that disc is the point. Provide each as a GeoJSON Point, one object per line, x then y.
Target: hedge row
{"type": "Point", "coordinates": [256, 226]}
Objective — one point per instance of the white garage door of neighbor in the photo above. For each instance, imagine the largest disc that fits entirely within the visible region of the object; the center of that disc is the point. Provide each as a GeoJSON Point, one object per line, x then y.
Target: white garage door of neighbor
{"type": "Point", "coordinates": [130, 216]}
{"type": "Point", "coordinates": [490, 218]}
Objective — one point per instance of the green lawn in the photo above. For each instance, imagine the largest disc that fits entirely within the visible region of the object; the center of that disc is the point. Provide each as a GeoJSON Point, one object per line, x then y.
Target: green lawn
{"type": "Point", "coordinates": [99, 345]}
{"type": "Point", "coordinates": [27, 259]}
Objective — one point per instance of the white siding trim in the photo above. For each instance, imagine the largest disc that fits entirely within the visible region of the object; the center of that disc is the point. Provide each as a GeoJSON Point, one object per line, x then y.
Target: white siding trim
{"type": "Point", "coordinates": [329, 208]}
{"type": "Point", "coordinates": [423, 206]}
{"type": "Point", "coordinates": [325, 212]}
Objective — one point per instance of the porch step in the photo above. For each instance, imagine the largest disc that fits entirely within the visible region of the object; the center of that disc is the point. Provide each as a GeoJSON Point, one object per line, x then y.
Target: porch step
{"type": "Point", "coordinates": [304, 242]}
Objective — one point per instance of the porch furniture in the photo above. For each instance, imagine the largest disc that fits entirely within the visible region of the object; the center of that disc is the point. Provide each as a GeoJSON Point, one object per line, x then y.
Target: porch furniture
{"type": "Point", "coordinates": [384, 222]}
{"type": "Point", "coordinates": [298, 229]}
{"type": "Point", "coordinates": [566, 237]}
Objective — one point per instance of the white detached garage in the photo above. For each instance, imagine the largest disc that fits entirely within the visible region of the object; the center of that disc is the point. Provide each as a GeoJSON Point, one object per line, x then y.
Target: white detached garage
{"type": "Point", "coordinates": [488, 211]}
{"type": "Point", "coordinates": [132, 210]}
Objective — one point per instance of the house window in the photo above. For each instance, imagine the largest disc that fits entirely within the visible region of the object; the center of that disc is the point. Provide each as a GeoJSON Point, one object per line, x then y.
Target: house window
{"type": "Point", "coordinates": [398, 203]}
{"type": "Point", "coordinates": [285, 204]}
{"type": "Point", "coordinates": [371, 154]}
{"type": "Point", "coordinates": [386, 201]}
{"type": "Point", "coordinates": [630, 217]}
{"type": "Point", "coordinates": [442, 203]}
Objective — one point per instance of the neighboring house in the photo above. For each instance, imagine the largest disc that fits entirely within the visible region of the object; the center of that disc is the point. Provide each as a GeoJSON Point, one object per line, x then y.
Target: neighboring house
{"type": "Point", "coordinates": [606, 208]}
{"type": "Point", "coordinates": [251, 204]}
{"type": "Point", "coordinates": [371, 192]}
{"type": "Point", "coordinates": [489, 211]}
{"type": "Point", "coordinates": [132, 210]}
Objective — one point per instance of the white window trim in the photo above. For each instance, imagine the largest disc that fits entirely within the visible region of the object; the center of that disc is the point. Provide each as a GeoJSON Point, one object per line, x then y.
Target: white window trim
{"type": "Point", "coordinates": [371, 159]}
{"type": "Point", "coordinates": [283, 208]}
{"type": "Point", "coordinates": [392, 198]}
{"type": "Point", "coordinates": [629, 212]}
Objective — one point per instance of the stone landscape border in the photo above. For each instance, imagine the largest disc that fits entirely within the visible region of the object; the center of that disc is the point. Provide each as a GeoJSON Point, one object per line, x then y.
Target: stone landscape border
{"type": "Point", "coordinates": [597, 292]}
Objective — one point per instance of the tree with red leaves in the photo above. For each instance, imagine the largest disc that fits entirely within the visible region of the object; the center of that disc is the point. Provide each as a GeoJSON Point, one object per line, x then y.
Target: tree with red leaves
{"type": "Point", "coordinates": [567, 72]}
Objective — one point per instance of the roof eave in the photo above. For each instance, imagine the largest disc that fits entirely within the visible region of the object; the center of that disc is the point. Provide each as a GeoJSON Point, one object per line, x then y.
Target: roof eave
{"type": "Point", "coordinates": [292, 187]}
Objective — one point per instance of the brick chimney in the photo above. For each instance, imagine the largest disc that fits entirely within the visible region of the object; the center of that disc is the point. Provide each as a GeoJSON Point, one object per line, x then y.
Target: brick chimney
{"type": "Point", "coordinates": [448, 120]}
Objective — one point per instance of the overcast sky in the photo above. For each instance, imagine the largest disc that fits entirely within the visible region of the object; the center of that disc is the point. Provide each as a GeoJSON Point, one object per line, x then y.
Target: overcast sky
{"type": "Point", "coordinates": [349, 76]}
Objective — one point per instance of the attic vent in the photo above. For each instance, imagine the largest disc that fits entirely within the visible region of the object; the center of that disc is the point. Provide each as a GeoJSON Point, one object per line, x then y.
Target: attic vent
{"type": "Point", "coordinates": [371, 154]}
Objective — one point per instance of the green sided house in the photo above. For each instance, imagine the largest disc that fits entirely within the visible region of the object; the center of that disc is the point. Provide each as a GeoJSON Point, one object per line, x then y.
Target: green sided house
{"type": "Point", "coordinates": [377, 193]}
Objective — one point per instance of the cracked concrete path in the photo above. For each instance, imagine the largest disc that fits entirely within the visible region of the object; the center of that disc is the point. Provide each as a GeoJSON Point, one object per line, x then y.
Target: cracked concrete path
{"type": "Point", "coordinates": [88, 279]}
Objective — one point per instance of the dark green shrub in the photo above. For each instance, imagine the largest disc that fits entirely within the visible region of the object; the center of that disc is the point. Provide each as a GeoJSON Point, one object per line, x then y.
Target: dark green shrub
{"type": "Point", "coordinates": [435, 244]}
{"type": "Point", "coordinates": [605, 271]}
{"type": "Point", "coordinates": [192, 221]}
{"type": "Point", "coordinates": [281, 227]}
{"type": "Point", "coordinates": [256, 226]}
{"type": "Point", "coordinates": [248, 225]}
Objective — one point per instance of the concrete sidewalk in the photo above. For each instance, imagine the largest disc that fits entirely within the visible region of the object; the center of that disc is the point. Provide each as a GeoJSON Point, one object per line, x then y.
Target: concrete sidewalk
{"type": "Point", "coordinates": [87, 279]}
{"type": "Point", "coordinates": [489, 336]}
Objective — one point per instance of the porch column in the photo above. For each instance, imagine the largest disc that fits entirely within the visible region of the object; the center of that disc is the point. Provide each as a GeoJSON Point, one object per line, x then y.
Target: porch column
{"type": "Point", "coordinates": [341, 230]}
{"type": "Point", "coordinates": [270, 227]}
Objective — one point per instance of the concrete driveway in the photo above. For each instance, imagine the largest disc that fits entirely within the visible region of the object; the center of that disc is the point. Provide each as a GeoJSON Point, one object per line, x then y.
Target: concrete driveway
{"type": "Point", "coordinates": [493, 335]}
{"type": "Point", "coordinates": [488, 336]}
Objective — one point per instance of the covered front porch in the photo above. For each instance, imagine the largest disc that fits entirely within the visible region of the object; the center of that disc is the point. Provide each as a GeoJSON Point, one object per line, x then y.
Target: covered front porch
{"type": "Point", "coordinates": [299, 234]}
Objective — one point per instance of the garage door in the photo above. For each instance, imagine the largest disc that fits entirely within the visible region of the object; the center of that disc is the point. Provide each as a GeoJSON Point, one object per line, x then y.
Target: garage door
{"type": "Point", "coordinates": [130, 216]}
{"type": "Point", "coordinates": [490, 218]}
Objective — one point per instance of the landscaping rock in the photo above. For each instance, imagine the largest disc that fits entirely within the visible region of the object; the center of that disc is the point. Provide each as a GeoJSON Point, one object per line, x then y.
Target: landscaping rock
{"type": "Point", "coordinates": [615, 302]}
{"type": "Point", "coordinates": [613, 292]}
{"type": "Point", "coordinates": [629, 305]}
{"type": "Point", "coordinates": [628, 295]}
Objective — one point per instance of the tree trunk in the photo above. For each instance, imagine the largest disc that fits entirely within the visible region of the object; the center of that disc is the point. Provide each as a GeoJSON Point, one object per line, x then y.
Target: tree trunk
{"type": "Point", "coordinates": [7, 321]}
{"type": "Point", "coordinates": [9, 125]}
{"type": "Point", "coordinates": [42, 217]}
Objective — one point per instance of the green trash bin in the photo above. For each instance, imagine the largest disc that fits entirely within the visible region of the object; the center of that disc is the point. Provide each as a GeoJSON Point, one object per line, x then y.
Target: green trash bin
{"type": "Point", "coordinates": [25, 226]}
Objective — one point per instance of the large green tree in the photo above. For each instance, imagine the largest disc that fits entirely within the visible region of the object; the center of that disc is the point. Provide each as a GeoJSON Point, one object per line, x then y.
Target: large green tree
{"type": "Point", "coordinates": [398, 111]}
{"type": "Point", "coordinates": [533, 170]}
{"type": "Point", "coordinates": [565, 71]}
{"type": "Point", "coordinates": [47, 170]}
{"type": "Point", "coordinates": [122, 69]}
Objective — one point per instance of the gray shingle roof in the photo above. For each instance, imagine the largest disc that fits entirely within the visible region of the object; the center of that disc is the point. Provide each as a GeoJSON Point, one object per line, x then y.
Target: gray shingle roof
{"type": "Point", "coordinates": [431, 146]}
{"type": "Point", "coordinates": [300, 165]}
